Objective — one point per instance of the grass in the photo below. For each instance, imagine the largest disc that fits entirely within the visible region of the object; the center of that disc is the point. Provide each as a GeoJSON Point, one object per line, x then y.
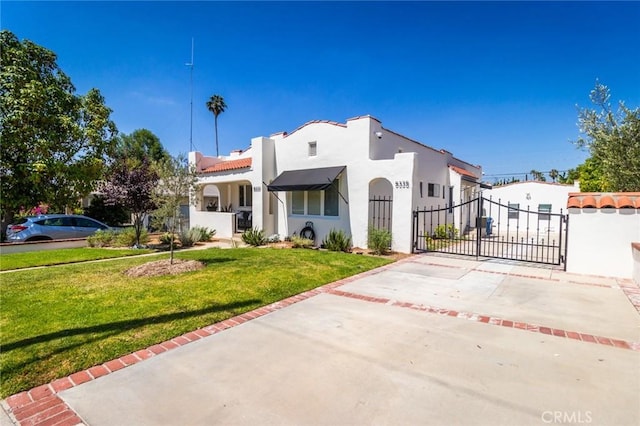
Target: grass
{"type": "Point", "coordinates": [59, 320]}
{"type": "Point", "coordinates": [58, 257]}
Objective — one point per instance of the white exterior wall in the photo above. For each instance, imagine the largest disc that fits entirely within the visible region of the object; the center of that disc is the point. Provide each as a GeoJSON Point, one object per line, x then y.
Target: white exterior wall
{"type": "Point", "coordinates": [599, 241]}
{"type": "Point", "coordinates": [369, 152]}
{"type": "Point", "coordinates": [529, 195]}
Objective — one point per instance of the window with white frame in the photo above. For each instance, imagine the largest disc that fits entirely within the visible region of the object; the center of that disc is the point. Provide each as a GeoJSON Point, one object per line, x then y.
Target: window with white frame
{"type": "Point", "coordinates": [246, 196]}
{"type": "Point", "coordinates": [316, 203]}
{"type": "Point", "coordinates": [513, 212]}
{"type": "Point", "coordinates": [313, 149]}
{"type": "Point", "coordinates": [544, 211]}
{"type": "Point", "coordinates": [433, 190]}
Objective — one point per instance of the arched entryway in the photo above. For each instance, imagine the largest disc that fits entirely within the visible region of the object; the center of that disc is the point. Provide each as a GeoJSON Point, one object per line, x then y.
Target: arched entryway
{"type": "Point", "coordinates": [380, 204]}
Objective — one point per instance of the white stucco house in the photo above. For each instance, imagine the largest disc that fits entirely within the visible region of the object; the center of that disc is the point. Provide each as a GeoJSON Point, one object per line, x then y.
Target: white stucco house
{"type": "Point", "coordinates": [327, 173]}
{"type": "Point", "coordinates": [534, 196]}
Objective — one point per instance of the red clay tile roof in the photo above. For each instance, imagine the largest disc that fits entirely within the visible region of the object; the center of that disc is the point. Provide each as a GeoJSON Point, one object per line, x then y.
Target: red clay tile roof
{"type": "Point", "coordinates": [603, 200]}
{"type": "Point", "coordinates": [462, 171]}
{"type": "Point", "coordinates": [229, 165]}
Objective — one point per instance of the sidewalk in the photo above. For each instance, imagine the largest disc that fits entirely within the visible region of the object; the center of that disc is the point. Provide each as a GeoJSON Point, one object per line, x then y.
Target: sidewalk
{"type": "Point", "coordinates": [427, 340]}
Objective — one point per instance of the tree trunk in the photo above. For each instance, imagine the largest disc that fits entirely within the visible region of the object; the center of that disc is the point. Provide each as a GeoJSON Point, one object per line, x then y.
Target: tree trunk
{"type": "Point", "coordinates": [216, 126]}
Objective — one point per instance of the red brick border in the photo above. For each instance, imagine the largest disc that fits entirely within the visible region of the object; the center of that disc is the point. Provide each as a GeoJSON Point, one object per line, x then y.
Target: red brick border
{"type": "Point", "coordinates": [41, 406]}
{"type": "Point", "coordinates": [476, 317]}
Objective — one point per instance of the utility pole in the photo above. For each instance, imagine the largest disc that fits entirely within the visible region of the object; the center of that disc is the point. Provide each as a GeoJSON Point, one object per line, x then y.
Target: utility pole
{"type": "Point", "coordinates": [190, 65]}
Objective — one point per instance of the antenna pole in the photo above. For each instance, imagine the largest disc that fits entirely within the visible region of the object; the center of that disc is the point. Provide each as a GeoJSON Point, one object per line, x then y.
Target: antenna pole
{"type": "Point", "coordinates": [190, 65]}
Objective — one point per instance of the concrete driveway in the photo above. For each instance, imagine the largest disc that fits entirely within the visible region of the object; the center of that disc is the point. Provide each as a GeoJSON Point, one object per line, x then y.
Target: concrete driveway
{"type": "Point", "coordinates": [428, 340]}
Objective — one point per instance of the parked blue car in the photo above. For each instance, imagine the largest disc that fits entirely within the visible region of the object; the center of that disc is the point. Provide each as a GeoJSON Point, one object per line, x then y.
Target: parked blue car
{"type": "Point", "coordinates": [53, 227]}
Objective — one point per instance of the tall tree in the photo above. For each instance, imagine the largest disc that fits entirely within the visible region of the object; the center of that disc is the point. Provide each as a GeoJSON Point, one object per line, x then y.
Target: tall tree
{"type": "Point", "coordinates": [54, 143]}
{"type": "Point", "coordinates": [613, 140]}
{"type": "Point", "coordinates": [554, 174]}
{"type": "Point", "coordinates": [216, 105]}
{"type": "Point", "coordinates": [140, 144]}
{"type": "Point", "coordinates": [177, 181]}
{"type": "Point", "coordinates": [537, 175]}
{"type": "Point", "coordinates": [132, 187]}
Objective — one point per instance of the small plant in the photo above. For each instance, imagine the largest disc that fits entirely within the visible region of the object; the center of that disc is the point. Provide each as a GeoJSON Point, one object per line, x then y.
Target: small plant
{"type": "Point", "coordinates": [300, 242]}
{"type": "Point", "coordinates": [166, 238]}
{"type": "Point", "coordinates": [275, 238]}
{"type": "Point", "coordinates": [445, 232]}
{"type": "Point", "coordinates": [337, 240]}
{"type": "Point", "coordinates": [102, 238]}
{"type": "Point", "coordinates": [189, 237]}
{"type": "Point", "coordinates": [379, 240]}
{"type": "Point", "coordinates": [254, 237]}
{"type": "Point", "coordinates": [202, 233]}
{"type": "Point", "coordinates": [127, 237]}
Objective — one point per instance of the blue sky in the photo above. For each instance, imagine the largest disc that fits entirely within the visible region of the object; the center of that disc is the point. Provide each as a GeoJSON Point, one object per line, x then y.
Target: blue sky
{"type": "Point", "coordinates": [496, 83]}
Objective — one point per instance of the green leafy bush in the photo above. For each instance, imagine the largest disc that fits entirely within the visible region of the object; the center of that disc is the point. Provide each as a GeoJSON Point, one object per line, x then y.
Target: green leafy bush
{"type": "Point", "coordinates": [254, 237]}
{"type": "Point", "coordinates": [447, 231]}
{"type": "Point", "coordinates": [337, 240]}
{"type": "Point", "coordinates": [202, 233]}
{"type": "Point", "coordinates": [127, 237]}
{"type": "Point", "coordinates": [379, 240]}
{"type": "Point", "coordinates": [299, 242]}
{"type": "Point", "coordinates": [102, 238]}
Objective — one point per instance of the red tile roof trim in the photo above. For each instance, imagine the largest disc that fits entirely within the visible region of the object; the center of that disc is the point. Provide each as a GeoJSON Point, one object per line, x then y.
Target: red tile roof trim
{"type": "Point", "coordinates": [228, 165]}
{"type": "Point", "coordinates": [604, 200]}
{"type": "Point", "coordinates": [462, 171]}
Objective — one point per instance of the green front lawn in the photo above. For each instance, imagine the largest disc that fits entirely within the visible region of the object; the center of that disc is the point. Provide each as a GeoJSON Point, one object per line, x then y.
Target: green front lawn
{"type": "Point", "coordinates": [59, 320]}
{"type": "Point", "coordinates": [57, 257]}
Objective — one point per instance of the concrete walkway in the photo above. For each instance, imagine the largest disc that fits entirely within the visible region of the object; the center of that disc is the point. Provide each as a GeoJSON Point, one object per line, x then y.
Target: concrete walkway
{"type": "Point", "coordinates": [427, 340]}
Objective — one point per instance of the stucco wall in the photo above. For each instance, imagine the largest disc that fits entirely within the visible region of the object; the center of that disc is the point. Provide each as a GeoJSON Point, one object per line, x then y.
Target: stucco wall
{"type": "Point", "coordinates": [599, 241]}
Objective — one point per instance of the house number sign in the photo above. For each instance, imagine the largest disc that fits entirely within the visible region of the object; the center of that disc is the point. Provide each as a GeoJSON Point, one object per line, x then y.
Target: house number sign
{"type": "Point", "coordinates": [402, 184]}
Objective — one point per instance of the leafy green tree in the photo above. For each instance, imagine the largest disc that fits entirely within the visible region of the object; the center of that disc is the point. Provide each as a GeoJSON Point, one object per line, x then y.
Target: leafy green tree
{"type": "Point", "coordinates": [177, 181]}
{"type": "Point", "coordinates": [216, 105]}
{"type": "Point", "coordinates": [613, 140]}
{"type": "Point", "coordinates": [589, 174]}
{"type": "Point", "coordinates": [54, 143]}
{"type": "Point", "coordinates": [140, 144]}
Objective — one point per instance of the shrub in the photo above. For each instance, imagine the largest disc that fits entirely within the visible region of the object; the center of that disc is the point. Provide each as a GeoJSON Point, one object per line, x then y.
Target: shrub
{"type": "Point", "coordinates": [378, 240]}
{"type": "Point", "coordinates": [167, 238]}
{"type": "Point", "coordinates": [254, 237]}
{"type": "Point", "coordinates": [337, 240]}
{"type": "Point", "coordinates": [127, 237]}
{"type": "Point", "coordinates": [102, 238]}
{"type": "Point", "coordinates": [275, 238]}
{"type": "Point", "coordinates": [202, 233]}
{"type": "Point", "coordinates": [445, 231]}
{"type": "Point", "coordinates": [300, 242]}
{"type": "Point", "coordinates": [189, 237]}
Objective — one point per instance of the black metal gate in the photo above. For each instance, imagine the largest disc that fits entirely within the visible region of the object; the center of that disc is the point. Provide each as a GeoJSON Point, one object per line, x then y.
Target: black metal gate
{"type": "Point", "coordinates": [380, 212]}
{"type": "Point", "coordinates": [486, 228]}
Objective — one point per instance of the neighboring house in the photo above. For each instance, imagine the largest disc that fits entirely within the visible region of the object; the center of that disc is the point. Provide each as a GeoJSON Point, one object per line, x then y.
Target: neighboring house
{"type": "Point", "coordinates": [339, 176]}
{"type": "Point", "coordinates": [535, 196]}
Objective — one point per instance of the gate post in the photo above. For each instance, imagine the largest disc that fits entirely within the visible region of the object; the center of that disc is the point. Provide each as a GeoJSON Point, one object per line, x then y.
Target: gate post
{"type": "Point", "coordinates": [479, 226]}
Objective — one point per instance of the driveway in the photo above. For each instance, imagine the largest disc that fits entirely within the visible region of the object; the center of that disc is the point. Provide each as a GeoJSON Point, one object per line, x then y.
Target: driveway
{"type": "Point", "coordinates": [427, 341]}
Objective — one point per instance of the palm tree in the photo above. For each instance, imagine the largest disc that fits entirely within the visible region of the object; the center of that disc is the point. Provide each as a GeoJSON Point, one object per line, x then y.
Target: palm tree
{"type": "Point", "coordinates": [216, 105]}
{"type": "Point", "coordinates": [554, 174]}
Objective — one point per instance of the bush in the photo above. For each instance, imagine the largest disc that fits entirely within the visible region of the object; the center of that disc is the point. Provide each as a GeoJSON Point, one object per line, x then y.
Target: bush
{"type": "Point", "coordinates": [189, 237]}
{"type": "Point", "coordinates": [254, 237]}
{"type": "Point", "coordinates": [337, 241]}
{"type": "Point", "coordinates": [102, 238]}
{"type": "Point", "coordinates": [299, 242]}
{"type": "Point", "coordinates": [202, 233]}
{"type": "Point", "coordinates": [127, 237]}
{"type": "Point", "coordinates": [112, 215]}
{"type": "Point", "coordinates": [166, 238]}
{"type": "Point", "coordinates": [275, 238]}
{"type": "Point", "coordinates": [378, 240]}
{"type": "Point", "coordinates": [445, 232]}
